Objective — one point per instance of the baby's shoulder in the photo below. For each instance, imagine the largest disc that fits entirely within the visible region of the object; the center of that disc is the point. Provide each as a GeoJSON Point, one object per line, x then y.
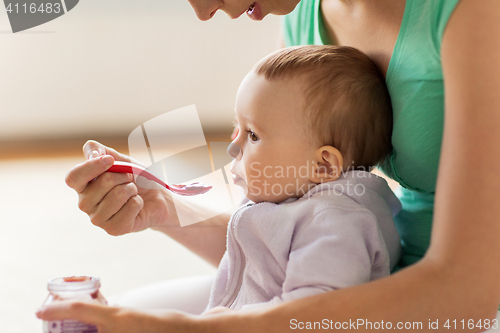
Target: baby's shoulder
{"type": "Point", "coordinates": [330, 210]}
{"type": "Point", "coordinates": [331, 199]}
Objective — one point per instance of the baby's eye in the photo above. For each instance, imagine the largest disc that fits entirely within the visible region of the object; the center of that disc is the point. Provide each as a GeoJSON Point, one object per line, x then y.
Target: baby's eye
{"type": "Point", "coordinates": [252, 136]}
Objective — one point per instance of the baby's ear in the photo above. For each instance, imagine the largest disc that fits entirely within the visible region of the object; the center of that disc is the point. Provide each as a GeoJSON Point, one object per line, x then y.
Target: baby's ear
{"type": "Point", "coordinates": [328, 163]}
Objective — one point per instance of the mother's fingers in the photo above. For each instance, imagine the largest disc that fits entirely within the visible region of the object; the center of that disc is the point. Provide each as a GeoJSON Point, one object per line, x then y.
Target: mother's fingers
{"type": "Point", "coordinates": [96, 190]}
{"type": "Point", "coordinates": [117, 320]}
{"type": "Point", "coordinates": [79, 177]}
{"type": "Point", "coordinates": [93, 149]}
{"type": "Point", "coordinates": [90, 313]}
{"type": "Point", "coordinates": [127, 219]}
{"type": "Point", "coordinates": [114, 202]}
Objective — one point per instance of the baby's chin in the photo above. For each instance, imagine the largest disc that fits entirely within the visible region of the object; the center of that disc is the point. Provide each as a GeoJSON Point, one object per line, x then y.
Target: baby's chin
{"type": "Point", "coordinates": [275, 192]}
{"type": "Point", "coordinates": [273, 199]}
{"type": "Point", "coordinates": [262, 196]}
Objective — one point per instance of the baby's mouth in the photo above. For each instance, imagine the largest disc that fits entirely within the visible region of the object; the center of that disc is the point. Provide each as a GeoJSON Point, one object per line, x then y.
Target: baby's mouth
{"type": "Point", "coordinates": [236, 179]}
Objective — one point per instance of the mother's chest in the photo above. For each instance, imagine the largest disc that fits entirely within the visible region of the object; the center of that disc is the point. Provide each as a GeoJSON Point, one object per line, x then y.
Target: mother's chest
{"type": "Point", "coordinates": [372, 28]}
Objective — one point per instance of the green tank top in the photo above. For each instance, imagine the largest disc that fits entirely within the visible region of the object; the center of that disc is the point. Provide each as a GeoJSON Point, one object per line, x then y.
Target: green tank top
{"type": "Point", "coordinates": [415, 82]}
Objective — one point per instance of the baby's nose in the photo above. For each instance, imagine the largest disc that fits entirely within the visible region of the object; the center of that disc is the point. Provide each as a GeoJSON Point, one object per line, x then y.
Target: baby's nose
{"type": "Point", "coordinates": [233, 150]}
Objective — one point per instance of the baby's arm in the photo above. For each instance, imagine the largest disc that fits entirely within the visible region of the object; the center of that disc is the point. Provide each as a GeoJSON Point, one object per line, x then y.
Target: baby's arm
{"type": "Point", "coordinates": [338, 248]}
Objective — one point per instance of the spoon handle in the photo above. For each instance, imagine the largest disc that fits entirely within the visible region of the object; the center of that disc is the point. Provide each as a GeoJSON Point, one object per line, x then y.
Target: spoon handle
{"type": "Point", "coordinates": [126, 167]}
{"type": "Point", "coordinates": [190, 189]}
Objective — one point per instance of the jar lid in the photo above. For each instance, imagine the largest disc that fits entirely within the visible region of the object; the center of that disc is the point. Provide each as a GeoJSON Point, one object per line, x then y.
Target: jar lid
{"type": "Point", "coordinates": [74, 283]}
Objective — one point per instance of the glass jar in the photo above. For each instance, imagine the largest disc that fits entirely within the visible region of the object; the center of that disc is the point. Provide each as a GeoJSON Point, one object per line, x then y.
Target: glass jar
{"type": "Point", "coordinates": [75, 288]}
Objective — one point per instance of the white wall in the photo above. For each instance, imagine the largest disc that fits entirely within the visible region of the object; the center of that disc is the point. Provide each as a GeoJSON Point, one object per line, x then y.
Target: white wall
{"type": "Point", "coordinates": [107, 66]}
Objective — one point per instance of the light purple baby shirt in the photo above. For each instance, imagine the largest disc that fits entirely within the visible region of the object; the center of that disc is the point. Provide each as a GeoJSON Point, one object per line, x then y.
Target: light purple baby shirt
{"type": "Point", "coordinates": [337, 235]}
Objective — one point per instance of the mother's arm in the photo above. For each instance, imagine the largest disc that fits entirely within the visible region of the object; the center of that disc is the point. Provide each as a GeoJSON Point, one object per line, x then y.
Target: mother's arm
{"type": "Point", "coordinates": [459, 277]}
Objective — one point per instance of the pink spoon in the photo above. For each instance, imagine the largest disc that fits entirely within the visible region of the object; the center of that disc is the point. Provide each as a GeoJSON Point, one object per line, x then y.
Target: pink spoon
{"type": "Point", "coordinates": [190, 189]}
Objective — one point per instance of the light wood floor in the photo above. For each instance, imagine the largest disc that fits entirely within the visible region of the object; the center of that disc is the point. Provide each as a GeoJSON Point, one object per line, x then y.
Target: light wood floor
{"type": "Point", "coordinates": [44, 235]}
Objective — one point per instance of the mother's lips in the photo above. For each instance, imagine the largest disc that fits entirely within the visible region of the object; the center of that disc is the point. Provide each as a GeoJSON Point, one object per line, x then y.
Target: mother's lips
{"type": "Point", "coordinates": [255, 12]}
{"type": "Point", "coordinates": [249, 10]}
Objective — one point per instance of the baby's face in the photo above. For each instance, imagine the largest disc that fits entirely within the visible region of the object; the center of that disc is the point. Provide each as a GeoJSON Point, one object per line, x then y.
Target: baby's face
{"type": "Point", "coordinates": [274, 148]}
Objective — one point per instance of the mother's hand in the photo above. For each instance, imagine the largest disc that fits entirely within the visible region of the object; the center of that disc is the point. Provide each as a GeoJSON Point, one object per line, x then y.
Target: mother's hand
{"type": "Point", "coordinates": [112, 200]}
{"type": "Point", "coordinates": [114, 319]}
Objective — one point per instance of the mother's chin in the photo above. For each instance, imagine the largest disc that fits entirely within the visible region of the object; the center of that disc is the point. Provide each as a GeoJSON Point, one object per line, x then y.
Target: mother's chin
{"type": "Point", "coordinates": [257, 10]}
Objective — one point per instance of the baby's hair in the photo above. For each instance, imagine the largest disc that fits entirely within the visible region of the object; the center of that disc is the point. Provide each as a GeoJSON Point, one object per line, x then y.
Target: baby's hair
{"type": "Point", "coordinates": [346, 97]}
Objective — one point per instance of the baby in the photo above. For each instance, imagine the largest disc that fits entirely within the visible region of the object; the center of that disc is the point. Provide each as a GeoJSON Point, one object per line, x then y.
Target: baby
{"type": "Point", "coordinates": [312, 121]}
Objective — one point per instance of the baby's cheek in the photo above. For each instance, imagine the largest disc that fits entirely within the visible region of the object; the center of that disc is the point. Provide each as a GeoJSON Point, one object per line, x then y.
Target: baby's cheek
{"type": "Point", "coordinates": [254, 179]}
{"type": "Point", "coordinates": [261, 185]}
{"type": "Point", "coordinates": [258, 179]}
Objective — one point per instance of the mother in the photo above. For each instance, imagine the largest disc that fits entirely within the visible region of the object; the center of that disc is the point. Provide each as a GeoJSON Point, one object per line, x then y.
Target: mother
{"type": "Point", "coordinates": [441, 59]}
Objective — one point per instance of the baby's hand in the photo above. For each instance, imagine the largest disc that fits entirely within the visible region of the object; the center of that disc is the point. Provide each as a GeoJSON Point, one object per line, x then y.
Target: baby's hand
{"type": "Point", "coordinates": [218, 309]}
